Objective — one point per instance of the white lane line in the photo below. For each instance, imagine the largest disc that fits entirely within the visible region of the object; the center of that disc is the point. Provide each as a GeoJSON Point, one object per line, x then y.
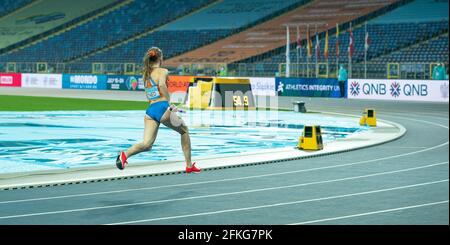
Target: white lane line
{"type": "Point", "coordinates": [437, 115]}
{"type": "Point", "coordinates": [229, 179]}
{"type": "Point", "coordinates": [402, 147]}
{"type": "Point", "coordinates": [417, 120]}
{"type": "Point", "coordinates": [403, 115]}
{"type": "Point", "coordinates": [371, 213]}
{"type": "Point", "coordinates": [219, 194]}
{"type": "Point", "coordinates": [380, 115]}
{"type": "Point", "coordinates": [280, 204]}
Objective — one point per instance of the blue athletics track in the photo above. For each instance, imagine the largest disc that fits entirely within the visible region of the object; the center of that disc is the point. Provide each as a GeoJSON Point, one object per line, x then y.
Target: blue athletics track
{"type": "Point", "coordinates": [401, 182]}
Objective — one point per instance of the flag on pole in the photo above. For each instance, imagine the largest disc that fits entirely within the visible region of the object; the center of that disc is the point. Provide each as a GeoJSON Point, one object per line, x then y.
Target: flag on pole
{"type": "Point", "coordinates": [325, 52]}
{"type": "Point", "coordinates": [288, 58]}
{"type": "Point", "coordinates": [367, 41]}
{"type": "Point", "coordinates": [351, 44]}
{"type": "Point", "coordinates": [309, 42]}
{"type": "Point", "coordinates": [337, 40]}
{"type": "Point", "coordinates": [366, 47]}
{"type": "Point", "coordinates": [299, 41]}
{"type": "Point", "coordinates": [317, 45]}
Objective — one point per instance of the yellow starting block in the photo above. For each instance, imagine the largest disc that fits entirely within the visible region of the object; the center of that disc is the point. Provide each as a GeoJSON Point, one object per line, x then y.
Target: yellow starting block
{"type": "Point", "coordinates": [368, 118]}
{"type": "Point", "coordinates": [311, 139]}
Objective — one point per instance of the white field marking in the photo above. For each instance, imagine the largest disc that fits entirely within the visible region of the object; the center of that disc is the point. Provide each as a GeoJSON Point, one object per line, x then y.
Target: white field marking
{"type": "Point", "coordinates": [423, 114]}
{"type": "Point", "coordinates": [436, 115]}
{"type": "Point", "coordinates": [370, 213]}
{"type": "Point", "coordinates": [404, 115]}
{"type": "Point", "coordinates": [280, 204]}
{"type": "Point", "coordinates": [384, 112]}
{"type": "Point", "coordinates": [229, 179]}
{"type": "Point", "coordinates": [402, 147]}
{"type": "Point", "coordinates": [391, 115]}
{"type": "Point", "coordinates": [219, 194]}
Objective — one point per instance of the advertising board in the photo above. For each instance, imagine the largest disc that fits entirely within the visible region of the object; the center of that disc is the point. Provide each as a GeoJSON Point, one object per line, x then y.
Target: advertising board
{"type": "Point", "coordinates": [30, 80]}
{"type": "Point", "coordinates": [307, 87]}
{"type": "Point", "coordinates": [390, 89]}
{"type": "Point", "coordinates": [84, 81]}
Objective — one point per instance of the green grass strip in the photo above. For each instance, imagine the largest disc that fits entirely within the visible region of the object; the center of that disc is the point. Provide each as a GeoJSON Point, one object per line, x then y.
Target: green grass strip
{"type": "Point", "coordinates": [31, 103]}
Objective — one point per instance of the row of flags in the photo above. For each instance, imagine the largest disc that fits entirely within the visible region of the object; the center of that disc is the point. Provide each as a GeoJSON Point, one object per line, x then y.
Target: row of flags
{"type": "Point", "coordinates": [351, 44]}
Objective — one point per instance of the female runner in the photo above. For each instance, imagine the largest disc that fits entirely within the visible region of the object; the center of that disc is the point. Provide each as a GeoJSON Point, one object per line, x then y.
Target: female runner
{"type": "Point", "coordinates": [159, 111]}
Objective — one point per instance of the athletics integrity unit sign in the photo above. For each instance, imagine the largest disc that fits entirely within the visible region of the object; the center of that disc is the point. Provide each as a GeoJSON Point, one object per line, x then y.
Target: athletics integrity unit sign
{"type": "Point", "coordinates": [307, 87]}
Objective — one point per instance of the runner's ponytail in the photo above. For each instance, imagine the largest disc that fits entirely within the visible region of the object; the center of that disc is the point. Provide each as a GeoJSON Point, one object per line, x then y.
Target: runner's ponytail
{"type": "Point", "coordinates": [152, 57]}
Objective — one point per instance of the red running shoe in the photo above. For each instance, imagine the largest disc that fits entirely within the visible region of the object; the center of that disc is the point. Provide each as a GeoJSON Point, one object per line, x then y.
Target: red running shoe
{"type": "Point", "coordinates": [121, 160]}
{"type": "Point", "coordinates": [193, 169]}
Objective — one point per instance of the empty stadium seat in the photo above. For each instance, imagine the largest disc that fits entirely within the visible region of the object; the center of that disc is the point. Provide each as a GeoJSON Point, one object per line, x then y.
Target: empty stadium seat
{"type": "Point", "coordinates": [8, 6]}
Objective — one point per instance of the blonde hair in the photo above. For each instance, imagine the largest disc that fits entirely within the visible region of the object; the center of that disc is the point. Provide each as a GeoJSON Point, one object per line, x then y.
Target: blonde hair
{"type": "Point", "coordinates": [152, 57]}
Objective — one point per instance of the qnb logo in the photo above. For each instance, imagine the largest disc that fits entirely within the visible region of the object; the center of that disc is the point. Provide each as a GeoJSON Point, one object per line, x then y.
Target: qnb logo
{"type": "Point", "coordinates": [395, 89]}
{"type": "Point", "coordinates": [414, 90]}
{"type": "Point", "coordinates": [374, 88]}
{"type": "Point", "coordinates": [354, 88]}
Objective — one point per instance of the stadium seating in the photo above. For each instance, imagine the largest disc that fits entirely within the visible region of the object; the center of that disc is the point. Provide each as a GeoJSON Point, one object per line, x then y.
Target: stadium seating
{"type": "Point", "coordinates": [122, 23]}
{"type": "Point", "coordinates": [435, 50]}
{"type": "Point", "coordinates": [385, 38]}
{"type": "Point", "coordinates": [172, 42]}
{"type": "Point", "coordinates": [230, 14]}
{"type": "Point", "coordinates": [391, 36]}
{"type": "Point", "coordinates": [192, 31]}
{"type": "Point", "coordinates": [124, 34]}
{"type": "Point", "coordinates": [269, 36]}
{"type": "Point", "coordinates": [8, 6]}
{"type": "Point", "coordinates": [430, 10]}
{"type": "Point", "coordinates": [129, 21]}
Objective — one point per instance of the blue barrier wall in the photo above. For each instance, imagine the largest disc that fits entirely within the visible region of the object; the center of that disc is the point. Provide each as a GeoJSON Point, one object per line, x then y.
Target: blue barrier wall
{"type": "Point", "coordinates": [304, 87]}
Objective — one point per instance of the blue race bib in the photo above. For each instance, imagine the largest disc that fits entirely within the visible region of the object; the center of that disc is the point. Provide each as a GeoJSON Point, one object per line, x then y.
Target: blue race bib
{"type": "Point", "coordinates": [153, 92]}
